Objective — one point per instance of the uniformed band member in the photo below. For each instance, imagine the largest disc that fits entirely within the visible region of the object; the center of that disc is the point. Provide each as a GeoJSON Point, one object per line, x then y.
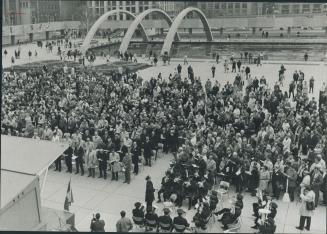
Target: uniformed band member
{"type": "Point", "coordinates": [165, 186]}
{"type": "Point", "coordinates": [151, 219]}
{"type": "Point", "coordinates": [180, 223]}
{"type": "Point", "coordinates": [138, 214]}
{"type": "Point", "coordinates": [230, 215]}
{"type": "Point", "coordinates": [165, 222]}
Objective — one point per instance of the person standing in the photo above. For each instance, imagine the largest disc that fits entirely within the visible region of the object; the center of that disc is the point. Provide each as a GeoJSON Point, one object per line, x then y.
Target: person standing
{"type": "Point", "coordinates": [124, 224]}
{"type": "Point", "coordinates": [247, 71]}
{"type": "Point", "coordinates": [5, 53]}
{"type": "Point", "coordinates": [115, 165]}
{"type": "Point", "coordinates": [234, 66]}
{"type": "Point", "coordinates": [29, 54]}
{"type": "Point", "coordinates": [306, 56]}
{"type": "Point", "coordinates": [68, 153]}
{"type": "Point", "coordinates": [217, 58]}
{"type": "Point", "coordinates": [291, 89]}
{"type": "Point", "coordinates": [311, 84]}
{"type": "Point", "coordinates": [307, 197]}
{"type": "Point", "coordinates": [127, 161]}
{"type": "Point", "coordinates": [213, 70]}
{"type": "Point", "coordinates": [136, 153]}
{"type": "Point", "coordinates": [149, 192]}
{"type": "Point", "coordinates": [225, 66]}
{"type": "Point", "coordinates": [185, 60]}
{"type": "Point", "coordinates": [295, 77]}
{"type": "Point", "coordinates": [147, 151]}
{"type": "Point", "coordinates": [97, 224]}
{"type": "Point", "coordinates": [291, 175]}
{"type": "Point", "coordinates": [79, 153]}
{"type": "Point", "coordinates": [179, 69]}
{"type": "Point", "coordinates": [239, 64]}
{"type": "Point", "coordinates": [316, 182]}
{"type": "Point", "coordinates": [91, 161]}
{"type": "Point", "coordinates": [103, 158]}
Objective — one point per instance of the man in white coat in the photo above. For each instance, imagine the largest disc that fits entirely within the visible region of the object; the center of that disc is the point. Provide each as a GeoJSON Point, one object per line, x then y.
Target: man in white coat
{"type": "Point", "coordinates": [308, 196]}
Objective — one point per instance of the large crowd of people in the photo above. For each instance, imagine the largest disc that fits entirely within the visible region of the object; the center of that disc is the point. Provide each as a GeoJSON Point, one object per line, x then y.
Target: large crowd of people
{"type": "Point", "coordinates": [253, 136]}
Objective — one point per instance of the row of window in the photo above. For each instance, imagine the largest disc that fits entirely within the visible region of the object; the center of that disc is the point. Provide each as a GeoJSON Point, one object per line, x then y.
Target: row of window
{"type": "Point", "coordinates": [23, 4]}
{"type": "Point", "coordinates": [225, 5]}
{"type": "Point", "coordinates": [286, 9]}
{"type": "Point", "coordinates": [127, 3]}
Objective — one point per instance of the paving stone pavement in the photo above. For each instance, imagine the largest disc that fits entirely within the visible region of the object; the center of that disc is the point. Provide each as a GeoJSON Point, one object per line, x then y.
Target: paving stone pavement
{"type": "Point", "coordinates": [92, 195]}
{"type": "Point", "coordinates": [110, 197]}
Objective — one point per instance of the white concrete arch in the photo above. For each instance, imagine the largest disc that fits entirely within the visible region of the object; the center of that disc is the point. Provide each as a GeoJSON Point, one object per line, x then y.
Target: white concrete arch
{"type": "Point", "coordinates": [178, 20]}
{"type": "Point", "coordinates": [89, 36]}
{"type": "Point", "coordinates": [131, 30]}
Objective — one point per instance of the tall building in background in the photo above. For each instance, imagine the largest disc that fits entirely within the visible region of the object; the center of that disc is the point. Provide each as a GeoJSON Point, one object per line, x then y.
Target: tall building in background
{"type": "Point", "coordinates": [15, 12]}
{"type": "Point", "coordinates": [99, 7]}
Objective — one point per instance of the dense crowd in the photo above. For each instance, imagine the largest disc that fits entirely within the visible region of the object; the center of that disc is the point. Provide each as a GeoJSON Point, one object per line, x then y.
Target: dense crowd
{"type": "Point", "coordinates": [244, 132]}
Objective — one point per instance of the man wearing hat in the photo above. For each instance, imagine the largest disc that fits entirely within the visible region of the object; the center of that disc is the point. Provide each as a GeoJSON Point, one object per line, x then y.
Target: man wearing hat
{"type": "Point", "coordinates": [165, 221]}
{"type": "Point", "coordinates": [180, 223]}
{"type": "Point", "coordinates": [138, 213]}
{"type": "Point", "coordinates": [149, 192]}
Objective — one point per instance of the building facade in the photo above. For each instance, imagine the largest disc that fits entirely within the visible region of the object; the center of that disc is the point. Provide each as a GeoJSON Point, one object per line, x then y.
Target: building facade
{"type": "Point", "coordinates": [99, 7]}
{"type": "Point", "coordinates": [16, 12]}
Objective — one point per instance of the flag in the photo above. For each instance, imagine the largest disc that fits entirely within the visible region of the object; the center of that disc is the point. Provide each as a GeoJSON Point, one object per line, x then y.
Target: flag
{"type": "Point", "coordinates": [69, 197]}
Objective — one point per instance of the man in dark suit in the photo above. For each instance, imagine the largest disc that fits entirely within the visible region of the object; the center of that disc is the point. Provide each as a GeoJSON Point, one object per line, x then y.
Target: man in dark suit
{"type": "Point", "coordinates": [165, 221]}
{"type": "Point", "coordinates": [79, 153]}
{"type": "Point", "coordinates": [147, 151]}
{"type": "Point", "coordinates": [138, 214]}
{"type": "Point", "coordinates": [149, 192]}
{"type": "Point", "coordinates": [179, 222]}
{"type": "Point", "coordinates": [103, 159]}
{"type": "Point", "coordinates": [68, 153]}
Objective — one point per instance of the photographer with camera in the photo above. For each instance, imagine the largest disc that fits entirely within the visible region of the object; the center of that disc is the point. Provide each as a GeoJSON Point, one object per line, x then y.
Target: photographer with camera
{"type": "Point", "coordinates": [97, 224]}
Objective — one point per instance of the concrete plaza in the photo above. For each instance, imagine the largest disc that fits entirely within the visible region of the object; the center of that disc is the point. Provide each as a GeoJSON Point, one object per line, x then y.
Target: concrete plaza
{"type": "Point", "coordinates": [110, 197]}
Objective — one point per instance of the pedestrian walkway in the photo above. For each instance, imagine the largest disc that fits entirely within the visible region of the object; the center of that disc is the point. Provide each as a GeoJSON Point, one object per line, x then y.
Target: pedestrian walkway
{"type": "Point", "coordinates": [93, 195]}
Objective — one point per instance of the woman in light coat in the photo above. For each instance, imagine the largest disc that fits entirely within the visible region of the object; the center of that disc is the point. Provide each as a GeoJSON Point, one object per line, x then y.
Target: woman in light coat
{"type": "Point", "coordinates": [264, 179]}
{"type": "Point", "coordinates": [307, 196]}
{"type": "Point", "coordinates": [115, 165]}
{"type": "Point", "coordinates": [91, 161]}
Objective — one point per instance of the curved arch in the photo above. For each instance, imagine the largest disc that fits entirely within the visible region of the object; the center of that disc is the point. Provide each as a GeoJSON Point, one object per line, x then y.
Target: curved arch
{"type": "Point", "coordinates": [86, 43]}
{"type": "Point", "coordinates": [178, 20]}
{"type": "Point", "coordinates": [128, 36]}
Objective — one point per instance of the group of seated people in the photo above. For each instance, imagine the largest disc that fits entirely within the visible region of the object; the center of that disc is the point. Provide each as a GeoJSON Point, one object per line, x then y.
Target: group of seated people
{"type": "Point", "coordinates": [163, 223]}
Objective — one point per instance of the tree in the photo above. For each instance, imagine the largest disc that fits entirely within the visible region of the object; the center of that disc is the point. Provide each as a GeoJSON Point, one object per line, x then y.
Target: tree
{"type": "Point", "coordinates": [86, 17]}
